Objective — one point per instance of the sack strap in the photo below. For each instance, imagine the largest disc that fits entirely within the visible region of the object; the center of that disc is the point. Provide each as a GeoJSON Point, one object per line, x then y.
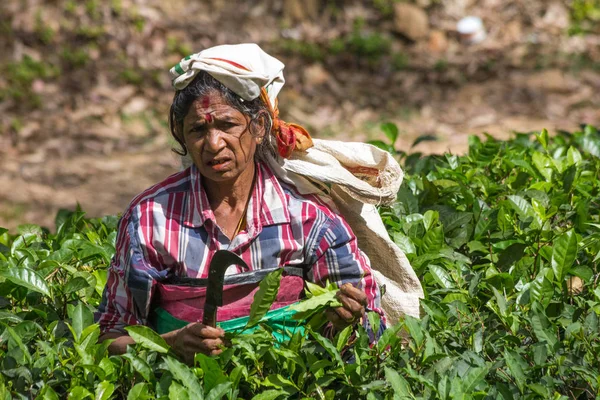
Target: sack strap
{"type": "Point", "coordinates": [250, 277]}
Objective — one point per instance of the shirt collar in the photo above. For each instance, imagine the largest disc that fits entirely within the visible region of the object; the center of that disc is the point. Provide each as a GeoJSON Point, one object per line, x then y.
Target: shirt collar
{"type": "Point", "coordinates": [268, 204]}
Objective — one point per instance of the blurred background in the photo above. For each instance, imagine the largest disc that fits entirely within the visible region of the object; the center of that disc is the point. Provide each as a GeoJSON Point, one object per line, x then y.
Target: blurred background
{"type": "Point", "coordinates": [84, 88]}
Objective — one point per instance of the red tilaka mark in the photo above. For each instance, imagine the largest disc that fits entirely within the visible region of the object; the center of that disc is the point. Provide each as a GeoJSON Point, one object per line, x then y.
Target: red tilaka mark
{"type": "Point", "coordinates": [208, 118]}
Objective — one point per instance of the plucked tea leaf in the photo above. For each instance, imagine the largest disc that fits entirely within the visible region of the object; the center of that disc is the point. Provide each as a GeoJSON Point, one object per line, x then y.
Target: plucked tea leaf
{"type": "Point", "coordinates": [306, 308]}
{"type": "Point", "coordinates": [147, 338]}
{"type": "Point", "coordinates": [264, 297]}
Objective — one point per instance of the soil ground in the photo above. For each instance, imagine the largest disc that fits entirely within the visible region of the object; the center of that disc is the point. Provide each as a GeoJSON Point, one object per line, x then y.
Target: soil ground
{"type": "Point", "coordinates": [100, 145]}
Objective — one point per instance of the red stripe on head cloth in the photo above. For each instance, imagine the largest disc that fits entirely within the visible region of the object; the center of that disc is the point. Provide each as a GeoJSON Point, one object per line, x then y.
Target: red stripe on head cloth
{"type": "Point", "coordinates": [250, 73]}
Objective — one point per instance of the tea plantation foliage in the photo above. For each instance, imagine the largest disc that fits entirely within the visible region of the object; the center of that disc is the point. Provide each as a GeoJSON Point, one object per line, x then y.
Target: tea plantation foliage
{"type": "Point", "coordinates": [505, 239]}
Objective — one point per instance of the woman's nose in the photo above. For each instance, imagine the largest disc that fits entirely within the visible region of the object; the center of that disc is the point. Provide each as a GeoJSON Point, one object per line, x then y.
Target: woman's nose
{"type": "Point", "coordinates": [214, 140]}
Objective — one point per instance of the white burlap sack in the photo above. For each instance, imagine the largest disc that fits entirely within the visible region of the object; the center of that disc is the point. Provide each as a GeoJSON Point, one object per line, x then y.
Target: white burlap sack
{"type": "Point", "coordinates": [322, 170]}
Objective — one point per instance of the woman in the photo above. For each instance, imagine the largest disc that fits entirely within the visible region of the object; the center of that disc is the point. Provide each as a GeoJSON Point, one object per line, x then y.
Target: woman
{"type": "Point", "coordinates": [224, 114]}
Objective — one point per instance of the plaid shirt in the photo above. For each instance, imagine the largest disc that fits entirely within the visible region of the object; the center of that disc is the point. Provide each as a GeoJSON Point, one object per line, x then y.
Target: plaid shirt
{"type": "Point", "coordinates": [171, 229]}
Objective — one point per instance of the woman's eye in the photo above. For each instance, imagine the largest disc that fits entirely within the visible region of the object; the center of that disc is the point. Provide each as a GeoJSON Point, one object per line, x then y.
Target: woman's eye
{"type": "Point", "coordinates": [198, 129]}
{"type": "Point", "coordinates": [228, 125]}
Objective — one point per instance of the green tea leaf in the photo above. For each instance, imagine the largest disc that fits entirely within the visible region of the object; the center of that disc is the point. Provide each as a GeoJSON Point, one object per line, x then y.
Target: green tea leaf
{"type": "Point", "coordinates": [430, 218]}
{"type": "Point", "coordinates": [521, 206]}
{"type": "Point", "coordinates": [433, 240]}
{"type": "Point", "coordinates": [574, 156]}
{"type": "Point", "coordinates": [542, 137]}
{"type": "Point", "coordinates": [147, 338]}
{"type": "Point", "coordinates": [591, 144]}
{"type": "Point", "coordinates": [17, 339]}
{"type": "Point", "coordinates": [139, 391]}
{"type": "Point", "coordinates": [398, 383]}
{"type": "Point", "coordinates": [517, 366]}
{"type": "Point", "coordinates": [374, 321]}
{"type": "Point", "coordinates": [404, 243]}
{"type": "Point", "coordinates": [79, 393]}
{"type": "Point", "coordinates": [414, 328]}
{"type": "Point", "coordinates": [104, 390]}
{"type": "Point", "coordinates": [219, 391]}
{"type": "Point", "coordinates": [564, 252]}
{"type": "Point", "coordinates": [185, 375]}
{"type": "Point", "coordinates": [475, 377]}
{"type": "Point", "coordinates": [75, 284]}
{"type": "Point", "coordinates": [329, 347]}
{"type": "Point", "coordinates": [139, 365]}
{"type": "Point", "coordinates": [27, 278]}
{"type": "Point", "coordinates": [343, 336]}
{"type": "Point", "coordinates": [178, 392]}
{"type": "Point", "coordinates": [264, 297]}
{"type": "Point", "coordinates": [389, 337]}
{"type": "Point", "coordinates": [511, 255]}
{"type": "Point", "coordinates": [543, 329]}
{"type": "Point", "coordinates": [391, 131]}
{"type": "Point", "coordinates": [213, 375]}
{"type": "Point", "coordinates": [271, 394]}
{"type": "Point", "coordinates": [441, 276]}
{"type": "Point", "coordinates": [81, 318]}
{"type": "Point", "coordinates": [543, 164]}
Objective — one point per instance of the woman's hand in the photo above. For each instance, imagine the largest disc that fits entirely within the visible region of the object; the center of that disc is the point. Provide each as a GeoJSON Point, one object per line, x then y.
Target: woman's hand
{"type": "Point", "coordinates": [353, 301]}
{"type": "Point", "coordinates": [196, 338]}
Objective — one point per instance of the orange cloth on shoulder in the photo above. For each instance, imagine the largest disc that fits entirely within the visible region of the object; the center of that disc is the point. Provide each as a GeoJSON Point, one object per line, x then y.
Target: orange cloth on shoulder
{"type": "Point", "coordinates": [289, 136]}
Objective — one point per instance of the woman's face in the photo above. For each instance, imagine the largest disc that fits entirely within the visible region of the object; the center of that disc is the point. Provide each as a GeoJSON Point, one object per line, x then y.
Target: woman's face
{"type": "Point", "coordinates": [218, 139]}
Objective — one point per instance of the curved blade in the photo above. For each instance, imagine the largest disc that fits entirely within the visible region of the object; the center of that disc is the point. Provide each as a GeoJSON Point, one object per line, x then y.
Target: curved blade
{"type": "Point", "coordinates": [219, 263]}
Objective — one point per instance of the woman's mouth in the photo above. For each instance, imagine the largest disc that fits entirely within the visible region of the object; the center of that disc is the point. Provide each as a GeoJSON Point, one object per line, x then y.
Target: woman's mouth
{"type": "Point", "coordinates": [219, 163]}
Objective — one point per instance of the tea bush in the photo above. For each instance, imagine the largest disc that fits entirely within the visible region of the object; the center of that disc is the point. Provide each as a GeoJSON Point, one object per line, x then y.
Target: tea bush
{"type": "Point", "coordinates": [505, 240]}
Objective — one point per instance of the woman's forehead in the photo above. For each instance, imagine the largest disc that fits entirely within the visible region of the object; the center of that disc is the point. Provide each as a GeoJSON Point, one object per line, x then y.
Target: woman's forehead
{"type": "Point", "coordinates": [213, 103]}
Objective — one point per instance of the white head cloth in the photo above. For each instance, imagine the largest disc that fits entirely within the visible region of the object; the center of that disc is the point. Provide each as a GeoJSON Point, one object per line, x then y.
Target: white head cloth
{"type": "Point", "coordinates": [243, 68]}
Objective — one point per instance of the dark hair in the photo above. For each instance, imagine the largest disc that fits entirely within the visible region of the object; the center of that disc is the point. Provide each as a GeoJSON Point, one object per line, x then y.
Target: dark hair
{"type": "Point", "coordinates": [202, 85]}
